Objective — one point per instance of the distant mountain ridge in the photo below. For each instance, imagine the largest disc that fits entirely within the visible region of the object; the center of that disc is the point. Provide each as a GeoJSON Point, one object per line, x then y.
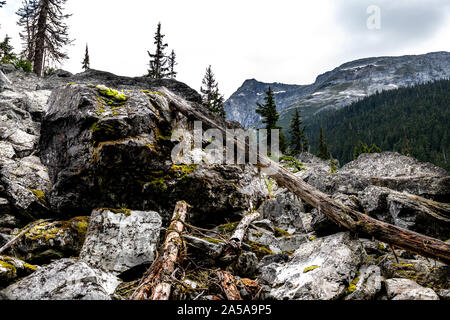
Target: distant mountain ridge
{"type": "Point", "coordinates": [338, 88]}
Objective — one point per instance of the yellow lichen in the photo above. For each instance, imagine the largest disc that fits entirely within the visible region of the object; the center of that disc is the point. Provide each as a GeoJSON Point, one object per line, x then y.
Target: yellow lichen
{"type": "Point", "coordinates": [311, 268]}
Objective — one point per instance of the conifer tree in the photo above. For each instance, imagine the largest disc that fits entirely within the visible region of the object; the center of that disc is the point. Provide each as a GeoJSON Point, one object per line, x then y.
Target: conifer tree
{"type": "Point", "coordinates": [323, 148]}
{"type": "Point", "coordinates": [364, 148]}
{"type": "Point", "coordinates": [172, 64]}
{"type": "Point", "coordinates": [27, 21]}
{"type": "Point", "coordinates": [158, 60]}
{"type": "Point", "coordinates": [2, 3]}
{"type": "Point", "coordinates": [268, 112]}
{"type": "Point", "coordinates": [299, 142]}
{"type": "Point", "coordinates": [51, 34]}
{"type": "Point", "coordinates": [211, 97]}
{"type": "Point", "coordinates": [86, 64]}
{"type": "Point", "coordinates": [6, 51]}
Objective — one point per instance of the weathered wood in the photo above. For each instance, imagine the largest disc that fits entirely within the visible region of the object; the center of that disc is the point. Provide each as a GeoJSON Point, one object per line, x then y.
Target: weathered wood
{"type": "Point", "coordinates": [21, 234]}
{"type": "Point", "coordinates": [239, 233]}
{"type": "Point", "coordinates": [342, 215]}
{"type": "Point", "coordinates": [228, 283]}
{"type": "Point", "coordinates": [156, 284]}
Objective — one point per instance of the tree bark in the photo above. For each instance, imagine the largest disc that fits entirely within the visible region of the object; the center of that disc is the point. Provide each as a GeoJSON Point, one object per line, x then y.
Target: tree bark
{"type": "Point", "coordinates": [342, 215]}
{"type": "Point", "coordinates": [39, 50]}
{"type": "Point", "coordinates": [229, 285]}
{"type": "Point", "coordinates": [239, 233]}
{"type": "Point", "coordinates": [155, 284]}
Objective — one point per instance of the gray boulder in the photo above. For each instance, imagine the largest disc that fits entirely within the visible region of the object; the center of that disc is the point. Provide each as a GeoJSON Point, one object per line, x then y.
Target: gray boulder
{"type": "Point", "coordinates": [405, 289]}
{"type": "Point", "coordinates": [52, 240]}
{"type": "Point", "coordinates": [118, 240]}
{"type": "Point", "coordinates": [367, 285]}
{"type": "Point", "coordinates": [319, 270]}
{"type": "Point", "coordinates": [109, 149]}
{"type": "Point", "coordinates": [27, 183]}
{"type": "Point", "coordinates": [387, 169]}
{"type": "Point", "coordinates": [284, 211]}
{"type": "Point", "coordinates": [13, 268]}
{"type": "Point", "coordinates": [65, 279]}
{"type": "Point", "coordinates": [407, 211]}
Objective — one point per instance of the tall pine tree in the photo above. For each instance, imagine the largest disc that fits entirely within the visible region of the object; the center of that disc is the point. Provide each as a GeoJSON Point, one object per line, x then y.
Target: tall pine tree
{"type": "Point", "coordinates": [158, 60]}
{"type": "Point", "coordinates": [51, 34]}
{"type": "Point", "coordinates": [172, 64]}
{"type": "Point", "coordinates": [86, 64]}
{"type": "Point", "coordinates": [28, 23]}
{"type": "Point", "coordinates": [2, 3]}
{"type": "Point", "coordinates": [211, 97]}
{"type": "Point", "coordinates": [268, 112]}
{"type": "Point", "coordinates": [299, 142]}
{"type": "Point", "coordinates": [323, 148]}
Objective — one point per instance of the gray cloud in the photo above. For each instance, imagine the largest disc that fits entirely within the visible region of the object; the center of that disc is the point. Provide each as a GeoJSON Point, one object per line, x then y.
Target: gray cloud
{"type": "Point", "coordinates": [403, 22]}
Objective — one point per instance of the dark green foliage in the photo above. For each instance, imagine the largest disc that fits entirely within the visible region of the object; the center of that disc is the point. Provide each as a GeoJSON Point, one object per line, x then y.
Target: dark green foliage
{"type": "Point", "coordinates": [24, 65]}
{"type": "Point", "coordinates": [268, 112]}
{"type": "Point", "coordinates": [27, 21]}
{"type": "Point", "coordinates": [323, 147]}
{"type": "Point", "coordinates": [7, 55]}
{"type": "Point", "coordinates": [211, 97]}
{"type": "Point", "coordinates": [86, 63]}
{"type": "Point", "coordinates": [2, 3]}
{"type": "Point", "coordinates": [298, 140]}
{"type": "Point", "coordinates": [413, 120]}
{"type": "Point", "coordinates": [364, 148]}
{"type": "Point", "coordinates": [158, 60]}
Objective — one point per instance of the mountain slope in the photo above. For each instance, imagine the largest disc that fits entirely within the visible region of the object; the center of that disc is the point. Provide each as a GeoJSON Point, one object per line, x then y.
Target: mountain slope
{"type": "Point", "coordinates": [416, 118]}
{"type": "Point", "coordinates": [339, 87]}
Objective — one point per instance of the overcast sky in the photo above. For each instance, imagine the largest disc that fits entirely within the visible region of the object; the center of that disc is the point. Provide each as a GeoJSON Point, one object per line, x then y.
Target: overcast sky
{"type": "Point", "coordinates": [287, 41]}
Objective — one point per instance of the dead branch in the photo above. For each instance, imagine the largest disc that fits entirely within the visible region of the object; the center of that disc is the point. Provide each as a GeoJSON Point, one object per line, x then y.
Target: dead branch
{"type": "Point", "coordinates": [239, 233]}
{"type": "Point", "coordinates": [156, 283]}
{"type": "Point", "coordinates": [342, 215]}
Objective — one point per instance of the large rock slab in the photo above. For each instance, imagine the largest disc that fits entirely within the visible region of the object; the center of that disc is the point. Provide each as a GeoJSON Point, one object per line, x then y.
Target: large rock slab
{"type": "Point", "coordinates": [65, 279]}
{"type": "Point", "coordinates": [387, 169]}
{"type": "Point", "coordinates": [118, 240]}
{"type": "Point", "coordinates": [405, 289]}
{"type": "Point", "coordinates": [107, 149]}
{"type": "Point", "coordinates": [318, 270]}
{"type": "Point", "coordinates": [407, 211]}
{"type": "Point", "coordinates": [26, 184]}
{"type": "Point", "coordinates": [50, 240]}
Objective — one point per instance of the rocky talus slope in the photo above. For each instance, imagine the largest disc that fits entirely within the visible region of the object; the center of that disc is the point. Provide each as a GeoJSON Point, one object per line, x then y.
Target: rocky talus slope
{"type": "Point", "coordinates": [86, 177]}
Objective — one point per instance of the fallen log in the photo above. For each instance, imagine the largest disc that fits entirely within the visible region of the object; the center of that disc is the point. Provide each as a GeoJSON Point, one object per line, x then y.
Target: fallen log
{"type": "Point", "coordinates": [238, 235]}
{"type": "Point", "coordinates": [229, 286]}
{"type": "Point", "coordinates": [156, 283]}
{"type": "Point", "coordinates": [342, 215]}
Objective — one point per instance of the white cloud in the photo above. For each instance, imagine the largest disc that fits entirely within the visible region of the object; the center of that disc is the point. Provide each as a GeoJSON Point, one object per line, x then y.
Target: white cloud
{"type": "Point", "coordinates": [286, 41]}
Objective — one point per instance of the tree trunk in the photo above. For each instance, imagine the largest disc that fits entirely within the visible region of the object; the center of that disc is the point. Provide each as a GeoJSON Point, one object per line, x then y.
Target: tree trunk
{"type": "Point", "coordinates": [229, 286]}
{"type": "Point", "coordinates": [352, 220]}
{"type": "Point", "coordinates": [155, 285]}
{"type": "Point", "coordinates": [39, 50]}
